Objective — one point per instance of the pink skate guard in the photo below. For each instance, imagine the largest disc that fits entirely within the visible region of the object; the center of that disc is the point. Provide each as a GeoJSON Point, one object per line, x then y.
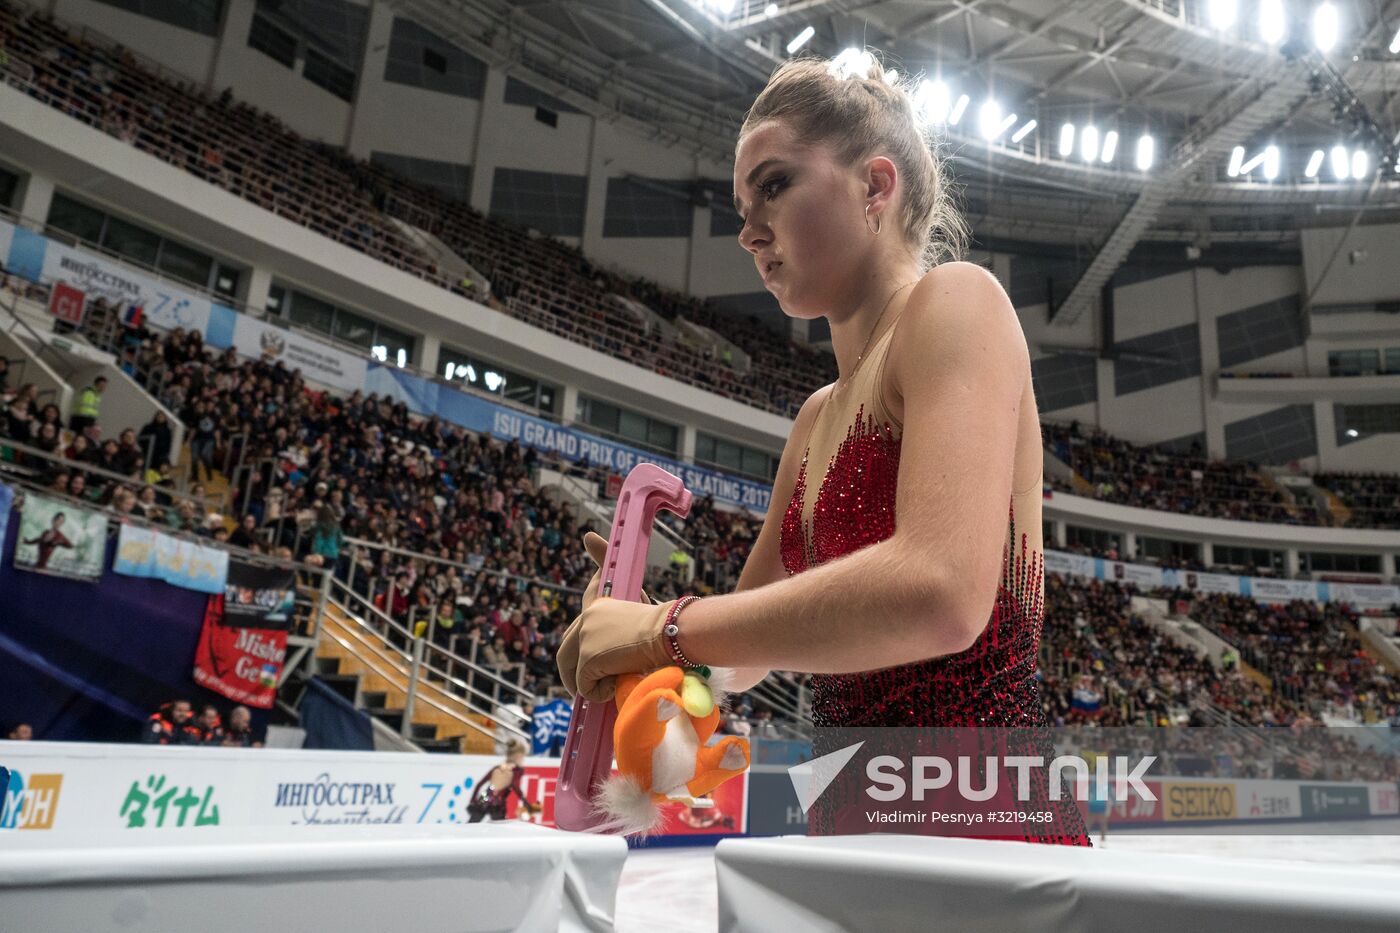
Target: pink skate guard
{"type": "Point", "coordinates": [588, 751]}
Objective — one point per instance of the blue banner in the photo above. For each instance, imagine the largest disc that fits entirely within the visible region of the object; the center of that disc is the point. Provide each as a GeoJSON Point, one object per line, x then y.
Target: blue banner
{"type": "Point", "coordinates": [144, 552]}
{"type": "Point", "coordinates": [549, 727]}
{"type": "Point", "coordinates": [426, 397]}
{"type": "Point", "coordinates": [7, 501]}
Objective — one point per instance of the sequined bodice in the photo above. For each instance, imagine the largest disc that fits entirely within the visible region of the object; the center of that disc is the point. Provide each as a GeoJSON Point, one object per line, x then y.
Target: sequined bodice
{"type": "Point", "coordinates": [991, 683]}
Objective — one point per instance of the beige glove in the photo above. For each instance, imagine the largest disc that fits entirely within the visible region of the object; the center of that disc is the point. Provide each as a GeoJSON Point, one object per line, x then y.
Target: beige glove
{"type": "Point", "coordinates": [611, 637]}
{"type": "Point", "coordinates": [597, 547]}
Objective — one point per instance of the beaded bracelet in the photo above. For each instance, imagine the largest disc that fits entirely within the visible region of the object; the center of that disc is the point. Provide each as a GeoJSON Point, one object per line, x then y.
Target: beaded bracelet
{"type": "Point", "coordinates": [671, 630]}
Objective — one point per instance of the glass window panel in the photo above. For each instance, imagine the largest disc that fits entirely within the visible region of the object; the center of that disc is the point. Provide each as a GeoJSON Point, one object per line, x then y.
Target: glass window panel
{"type": "Point", "coordinates": [352, 328]}
{"type": "Point", "coordinates": [131, 241]}
{"type": "Point", "coordinates": [78, 219]}
{"type": "Point", "coordinates": [184, 263]}
{"type": "Point", "coordinates": [312, 312]}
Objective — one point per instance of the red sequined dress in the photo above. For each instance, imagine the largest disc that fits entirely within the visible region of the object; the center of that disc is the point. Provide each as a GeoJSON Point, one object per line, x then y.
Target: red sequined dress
{"type": "Point", "coordinates": [991, 684]}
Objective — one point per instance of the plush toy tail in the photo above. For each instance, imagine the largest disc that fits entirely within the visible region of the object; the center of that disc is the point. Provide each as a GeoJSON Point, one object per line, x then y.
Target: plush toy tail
{"type": "Point", "coordinates": [626, 807]}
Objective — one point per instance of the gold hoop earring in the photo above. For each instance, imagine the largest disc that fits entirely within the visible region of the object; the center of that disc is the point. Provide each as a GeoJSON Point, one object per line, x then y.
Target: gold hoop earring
{"type": "Point", "coordinates": [878, 222]}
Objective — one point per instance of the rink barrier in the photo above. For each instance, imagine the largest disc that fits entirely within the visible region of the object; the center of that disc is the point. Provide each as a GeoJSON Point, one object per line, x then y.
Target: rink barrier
{"type": "Point", "coordinates": [75, 788]}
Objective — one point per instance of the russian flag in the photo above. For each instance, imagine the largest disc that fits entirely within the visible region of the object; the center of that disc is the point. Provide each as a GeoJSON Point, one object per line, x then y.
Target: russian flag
{"type": "Point", "coordinates": [133, 315]}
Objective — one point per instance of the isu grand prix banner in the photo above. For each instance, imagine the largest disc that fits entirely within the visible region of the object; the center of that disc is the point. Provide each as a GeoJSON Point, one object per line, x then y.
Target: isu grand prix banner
{"type": "Point", "coordinates": [244, 640]}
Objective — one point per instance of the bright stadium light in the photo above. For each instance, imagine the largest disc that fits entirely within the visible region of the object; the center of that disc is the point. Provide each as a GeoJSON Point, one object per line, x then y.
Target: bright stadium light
{"type": "Point", "coordinates": [1314, 163]}
{"type": "Point", "coordinates": [1222, 14]}
{"type": "Point", "coordinates": [958, 109]}
{"type": "Point", "coordinates": [1341, 167]}
{"type": "Point", "coordinates": [401, 358]}
{"type": "Point", "coordinates": [1360, 163]}
{"type": "Point", "coordinates": [801, 39]}
{"type": "Point", "coordinates": [1089, 143]}
{"type": "Point", "coordinates": [1325, 27]}
{"type": "Point", "coordinates": [851, 61]}
{"type": "Point", "coordinates": [1352, 432]}
{"type": "Point", "coordinates": [1066, 139]}
{"type": "Point", "coordinates": [988, 119]}
{"type": "Point", "coordinates": [379, 352]}
{"type": "Point", "coordinates": [1273, 22]}
{"type": "Point", "coordinates": [1236, 160]}
{"type": "Point", "coordinates": [493, 380]}
{"type": "Point", "coordinates": [724, 6]}
{"type": "Point", "coordinates": [1395, 43]}
{"type": "Point", "coordinates": [770, 10]}
{"type": "Point", "coordinates": [1110, 146]}
{"type": "Point", "coordinates": [449, 370]}
{"type": "Point", "coordinates": [1146, 152]}
{"type": "Point", "coordinates": [1253, 163]}
{"type": "Point", "coordinates": [1023, 131]}
{"type": "Point", "coordinates": [1271, 158]}
{"type": "Point", "coordinates": [933, 100]}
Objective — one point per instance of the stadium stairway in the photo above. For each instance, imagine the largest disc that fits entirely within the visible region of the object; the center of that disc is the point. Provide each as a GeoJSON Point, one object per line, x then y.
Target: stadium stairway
{"type": "Point", "coordinates": [374, 673]}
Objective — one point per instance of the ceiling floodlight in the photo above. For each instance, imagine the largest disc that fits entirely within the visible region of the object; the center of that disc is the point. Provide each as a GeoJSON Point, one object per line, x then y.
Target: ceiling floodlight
{"type": "Point", "coordinates": [1222, 13]}
{"type": "Point", "coordinates": [988, 119]}
{"type": "Point", "coordinates": [1271, 158]}
{"type": "Point", "coordinates": [1341, 166]}
{"type": "Point", "coordinates": [1273, 22]}
{"type": "Point", "coordinates": [1146, 152]}
{"type": "Point", "coordinates": [958, 109]}
{"type": "Point", "coordinates": [1066, 139]}
{"type": "Point", "coordinates": [1236, 160]}
{"type": "Point", "coordinates": [851, 62]}
{"type": "Point", "coordinates": [1023, 131]}
{"type": "Point", "coordinates": [1110, 146]}
{"type": "Point", "coordinates": [1089, 143]}
{"type": "Point", "coordinates": [1252, 164]}
{"type": "Point", "coordinates": [724, 6]}
{"type": "Point", "coordinates": [1314, 163]}
{"type": "Point", "coordinates": [1325, 27]}
{"type": "Point", "coordinates": [801, 39]}
{"type": "Point", "coordinates": [1395, 43]}
{"type": "Point", "coordinates": [770, 10]}
{"type": "Point", "coordinates": [1360, 162]}
{"type": "Point", "coordinates": [933, 100]}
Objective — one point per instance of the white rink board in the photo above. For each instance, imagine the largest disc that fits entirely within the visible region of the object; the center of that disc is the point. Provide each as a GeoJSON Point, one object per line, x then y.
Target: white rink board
{"type": "Point", "coordinates": [84, 788]}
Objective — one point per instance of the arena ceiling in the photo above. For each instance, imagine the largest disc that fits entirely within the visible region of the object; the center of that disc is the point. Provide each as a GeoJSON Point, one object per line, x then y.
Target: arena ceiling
{"type": "Point", "coordinates": [684, 71]}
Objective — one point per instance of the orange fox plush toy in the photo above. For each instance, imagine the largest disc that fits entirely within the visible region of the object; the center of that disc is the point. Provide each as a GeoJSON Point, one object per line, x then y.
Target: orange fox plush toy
{"type": "Point", "coordinates": [664, 721]}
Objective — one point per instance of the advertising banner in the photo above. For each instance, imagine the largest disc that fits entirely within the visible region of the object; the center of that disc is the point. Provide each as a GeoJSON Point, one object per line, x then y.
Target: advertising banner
{"type": "Point", "coordinates": [1331, 801]}
{"type": "Point", "coordinates": [7, 501]}
{"type": "Point", "coordinates": [78, 788]}
{"type": "Point", "coordinates": [43, 260]}
{"type": "Point", "coordinates": [59, 538]}
{"type": "Point", "coordinates": [1268, 590]}
{"type": "Point", "coordinates": [318, 361]}
{"type": "Point", "coordinates": [67, 303]}
{"type": "Point", "coordinates": [1267, 800]}
{"type": "Point", "coordinates": [1198, 800]}
{"type": "Point", "coordinates": [1364, 596]}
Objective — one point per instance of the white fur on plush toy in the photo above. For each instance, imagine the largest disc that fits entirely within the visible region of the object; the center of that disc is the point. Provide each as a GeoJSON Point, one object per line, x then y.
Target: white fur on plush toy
{"type": "Point", "coordinates": [626, 806]}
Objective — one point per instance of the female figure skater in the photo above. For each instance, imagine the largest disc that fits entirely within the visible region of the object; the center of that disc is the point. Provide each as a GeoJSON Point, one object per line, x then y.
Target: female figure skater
{"type": "Point", "coordinates": [495, 787]}
{"type": "Point", "coordinates": [900, 562]}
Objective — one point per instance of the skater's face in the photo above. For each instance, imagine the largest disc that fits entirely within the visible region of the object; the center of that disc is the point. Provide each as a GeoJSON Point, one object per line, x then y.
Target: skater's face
{"type": "Point", "coordinates": [803, 210]}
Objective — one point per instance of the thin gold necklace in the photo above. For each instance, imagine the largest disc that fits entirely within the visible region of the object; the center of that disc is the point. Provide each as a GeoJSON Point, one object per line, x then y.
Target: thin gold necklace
{"type": "Point", "coordinates": [842, 383]}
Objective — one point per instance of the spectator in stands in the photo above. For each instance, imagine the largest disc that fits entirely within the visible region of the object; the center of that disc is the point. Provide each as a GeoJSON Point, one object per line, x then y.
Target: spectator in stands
{"type": "Point", "coordinates": [155, 440]}
{"type": "Point", "coordinates": [211, 726]}
{"type": "Point", "coordinates": [22, 732]}
{"type": "Point", "coordinates": [239, 732]}
{"type": "Point", "coordinates": [172, 724]}
{"type": "Point", "coordinates": [88, 407]}
{"type": "Point", "coordinates": [203, 439]}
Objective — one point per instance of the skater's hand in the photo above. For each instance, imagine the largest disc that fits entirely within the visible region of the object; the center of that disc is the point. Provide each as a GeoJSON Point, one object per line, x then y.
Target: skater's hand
{"type": "Point", "coordinates": [611, 637]}
{"type": "Point", "coordinates": [597, 547]}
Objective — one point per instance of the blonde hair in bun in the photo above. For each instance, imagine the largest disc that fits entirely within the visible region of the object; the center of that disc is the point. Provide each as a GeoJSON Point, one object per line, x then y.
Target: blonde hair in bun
{"type": "Point", "coordinates": [857, 108]}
